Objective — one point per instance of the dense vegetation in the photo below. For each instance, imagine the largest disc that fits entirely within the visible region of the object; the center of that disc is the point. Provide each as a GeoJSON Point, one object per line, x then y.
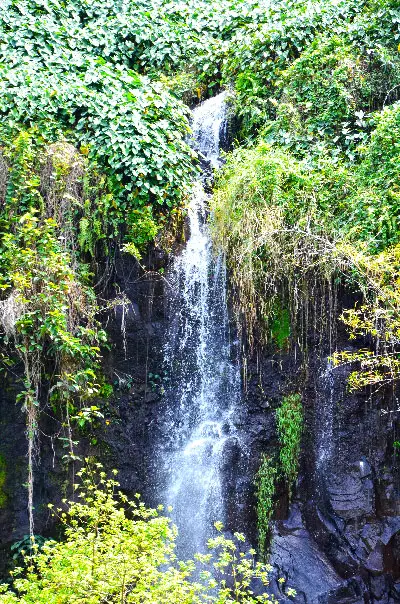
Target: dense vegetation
{"type": "Point", "coordinates": [313, 201]}
{"type": "Point", "coordinates": [283, 467]}
{"type": "Point", "coordinates": [93, 159]}
{"type": "Point", "coordinates": [310, 202]}
{"type": "Point", "coordinates": [115, 550]}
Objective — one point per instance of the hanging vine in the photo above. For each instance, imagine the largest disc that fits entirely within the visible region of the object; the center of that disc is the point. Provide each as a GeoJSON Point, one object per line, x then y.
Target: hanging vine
{"type": "Point", "coordinates": [47, 311]}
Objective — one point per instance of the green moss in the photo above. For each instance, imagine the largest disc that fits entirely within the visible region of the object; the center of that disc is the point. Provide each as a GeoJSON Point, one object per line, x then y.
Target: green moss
{"type": "Point", "coordinates": [3, 477]}
{"type": "Point", "coordinates": [289, 418]}
{"type": "Point", "coordinates": [280, 326]}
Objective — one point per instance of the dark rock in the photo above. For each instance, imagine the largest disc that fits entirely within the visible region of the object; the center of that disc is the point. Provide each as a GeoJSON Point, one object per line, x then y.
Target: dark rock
{"type": "Point", "coordinates": [294, 522]}
{"type": "Point", "coordinates": [396, 590]}
{"type": "Point", "coordinates": [151, 397]}
{"type": "Point", "coordinates": [374, 563]}
{"type": "Point", "coordinates": [350, 496]}
{"type": "Point", "coordinates": [304, 567]}
{"type": "Point", "coordinates": [379, 587]}
{"type": "Point", "coordinates": [390, 527]}
{"type": "Point", "coordinates": [365, 468]}
{"type": "Point", "coordinates": [388, 497]}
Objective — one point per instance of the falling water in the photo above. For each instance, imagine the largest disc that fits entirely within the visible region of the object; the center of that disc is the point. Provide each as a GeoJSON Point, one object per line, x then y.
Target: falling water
{"type": "Point", "coordinates": [208, 128]}
{"type": "Point", "coordinates": [325, 412]}
{"type": "Point", "coordinates": [204, 381]}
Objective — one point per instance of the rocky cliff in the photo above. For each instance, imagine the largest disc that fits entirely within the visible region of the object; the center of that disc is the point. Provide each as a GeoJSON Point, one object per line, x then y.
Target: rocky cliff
{"type": "Point", "coordinates": [337, 541]}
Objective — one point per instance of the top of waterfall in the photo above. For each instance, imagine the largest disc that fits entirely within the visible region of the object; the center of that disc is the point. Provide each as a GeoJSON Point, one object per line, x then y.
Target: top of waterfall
{"type": "Point", "coordinates": [209, 120]}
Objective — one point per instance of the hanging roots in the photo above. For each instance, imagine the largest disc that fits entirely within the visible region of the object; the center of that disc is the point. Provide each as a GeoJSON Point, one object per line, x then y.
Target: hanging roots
{"type": "Point", "coordinates": [11, 310]}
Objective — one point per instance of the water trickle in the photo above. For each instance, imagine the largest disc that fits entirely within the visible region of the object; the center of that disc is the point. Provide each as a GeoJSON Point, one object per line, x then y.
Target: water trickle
{"type": "Point", "coordinates": [325, 412]}
{"type": "Point", "coordinates": [209, 128]}
{"type": "Point", "coordinates": [204, 381]}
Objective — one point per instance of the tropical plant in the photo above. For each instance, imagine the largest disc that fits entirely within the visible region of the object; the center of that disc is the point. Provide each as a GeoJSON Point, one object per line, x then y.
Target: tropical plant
{"type": "Point", "coordinates": [265, 482]}
{"type": "Point", "coordinates": [117, 550]}
{"type": "Point", "coordinates": [289, 420]}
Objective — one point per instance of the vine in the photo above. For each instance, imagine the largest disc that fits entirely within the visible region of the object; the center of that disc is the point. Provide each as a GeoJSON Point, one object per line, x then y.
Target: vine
{"type": "Point", "coordinates": [47, 310]}
{"type": "Point", "coordinates": [265, 481]}
{"type": "Point", "coordinates": [289, 418]}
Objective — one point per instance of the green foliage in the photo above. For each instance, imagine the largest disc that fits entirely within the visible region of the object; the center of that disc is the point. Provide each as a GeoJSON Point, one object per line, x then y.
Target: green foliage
{"type": "Point", "coordinates": [377, 319]}
{"type": "Point", "coordinates": [163, 39]}
{"type": "Point", "coordinates": [378, 23]}
{"type": "Point", "coordinates": [381, 164]}
{"type": "Point", "coordinates": [27, 547]}
{"type": "Point", "coordinates": [280, 326]}
{"type": "Point", "coordinates": [326, 94]}
{"type": "Point", "coordinates": [45, 296]}
{"type": "Point", "coordinates": [260, 52]}
{"type": "Point", "coordinates": [117, 550]}
{"type": "Point", "coordinates": [133, 127]}
{"type": "Point", "coordinates": [315, 202]}
{"type": "Point", "coordinates": [286, 223]}
{"type": "Point", "coordinates": [58, 181]}
{"type": "Point", "coordinates": [270, 59]}
{"type": "Point", "coordinates": [70, 70]}
{"type": "Point", "coordinates": [265, 481]}
{"type": "Point", "coordinates": [48, 309]}
{"type": "Point", "coordinates": [289, 419]}
{"type": "Point", "coordinates": [185, 86]}
{"type": "Point", "coordinates": [273, 215]}
{"type": "Point", "coordinates": [3, 478]}
{"type": "Point", "coordinates": [88, 416]}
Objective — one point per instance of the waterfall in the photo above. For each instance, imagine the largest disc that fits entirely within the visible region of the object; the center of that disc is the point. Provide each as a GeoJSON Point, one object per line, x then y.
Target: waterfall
{"type": "Point", "coordinates": [204, 382]}
{"type": "Point", "coordinates": [325, 411]}
{"type": "Point", "coordinates": [208, 128]}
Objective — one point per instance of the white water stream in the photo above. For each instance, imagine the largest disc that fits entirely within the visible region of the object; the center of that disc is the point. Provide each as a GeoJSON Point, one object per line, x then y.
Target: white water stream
{"type": "Point", "coordinates": [204, 382]}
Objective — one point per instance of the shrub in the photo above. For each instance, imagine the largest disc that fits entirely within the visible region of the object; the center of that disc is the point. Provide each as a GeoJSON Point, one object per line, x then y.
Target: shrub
{"type": "Point", "coordinates": [325, 95]}
{"type": "Point", "coordinates": [381, 161]}
{"type": "Point", "coordinates": [289, 225]}
{"type": "Point", "coordinates": [117, 550]}
{"type": "Point", "coordinates": [261, 51]}
{"type": "Point", "coordinates": [275, 217]}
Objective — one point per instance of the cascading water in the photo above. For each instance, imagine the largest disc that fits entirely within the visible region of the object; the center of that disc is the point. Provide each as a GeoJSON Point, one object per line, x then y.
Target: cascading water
{"type": "Point", "coordinates": [325, 412]}
{"type": "Point", "coordinates": [204, 385]}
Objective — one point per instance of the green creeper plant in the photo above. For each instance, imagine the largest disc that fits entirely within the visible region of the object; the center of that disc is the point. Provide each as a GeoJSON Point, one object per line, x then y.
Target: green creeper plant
{"type": "Point", "coordinates": [289, 424]}
{"type": "Point", "coordinates": [289, 419]}
{"type": "Point", "coordinates": [3, 477]}
{"type": "Point", "coordinates": [47, 313]}
{"type": "Point", "coordinates": [265, 481]}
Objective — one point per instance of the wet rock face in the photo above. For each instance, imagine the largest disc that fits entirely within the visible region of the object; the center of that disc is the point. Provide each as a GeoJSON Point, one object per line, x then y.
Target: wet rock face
{"type": "Point", "coordinates": [338, 541]}
{"type": "Point", "coordinates": [13, 452]}
{"type": "Point", "coordinates": [135, 334]}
